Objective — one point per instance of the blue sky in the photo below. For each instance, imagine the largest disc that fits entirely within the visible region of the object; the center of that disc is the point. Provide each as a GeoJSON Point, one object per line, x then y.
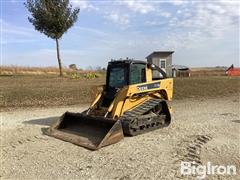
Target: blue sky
{"type": "Point", "coordinates": [202, 33]}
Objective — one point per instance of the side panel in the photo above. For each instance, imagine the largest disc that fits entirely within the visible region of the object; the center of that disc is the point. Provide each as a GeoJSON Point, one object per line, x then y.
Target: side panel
{"type": "Point", "coordinates": [133, 95]}
{"type": "Point", "coordinates": [154, 86]}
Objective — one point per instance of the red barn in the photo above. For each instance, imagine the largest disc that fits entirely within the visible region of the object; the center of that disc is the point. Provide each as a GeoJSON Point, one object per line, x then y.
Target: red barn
{"type": "Point", "coordinates": [233, 71]}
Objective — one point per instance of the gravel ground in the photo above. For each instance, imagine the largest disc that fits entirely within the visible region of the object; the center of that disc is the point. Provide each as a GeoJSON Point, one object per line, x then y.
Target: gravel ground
{"type": "Point", "coordinates": [211, 127]}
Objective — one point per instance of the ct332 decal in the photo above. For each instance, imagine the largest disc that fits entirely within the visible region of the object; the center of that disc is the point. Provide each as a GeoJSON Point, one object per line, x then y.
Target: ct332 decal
{"type": "Point", "coordinates": [148, 86]}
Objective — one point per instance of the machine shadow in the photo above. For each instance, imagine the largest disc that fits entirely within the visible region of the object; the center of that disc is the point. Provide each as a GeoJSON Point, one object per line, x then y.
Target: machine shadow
{"type": "Point", "coordinates": [236, 121]}
{"type": "Point", "coordinates": [43, 121]}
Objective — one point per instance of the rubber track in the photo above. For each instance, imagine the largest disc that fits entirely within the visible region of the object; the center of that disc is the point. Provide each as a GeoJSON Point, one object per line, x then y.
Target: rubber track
{"type": "Point", "coordinates": [130, 118]}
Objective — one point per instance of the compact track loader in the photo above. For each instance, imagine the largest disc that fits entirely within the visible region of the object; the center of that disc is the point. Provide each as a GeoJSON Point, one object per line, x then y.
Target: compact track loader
{"type": "Point", "coordinates": [132, 102]}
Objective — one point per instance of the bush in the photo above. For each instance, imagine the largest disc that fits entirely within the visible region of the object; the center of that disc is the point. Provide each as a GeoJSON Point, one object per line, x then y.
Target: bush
{"type": "Point", "coordinates": [86, 75]}
{"type": "Point", "coordinates": [75, 75]}
{"type": "Point", "coordinates": [90, 75]}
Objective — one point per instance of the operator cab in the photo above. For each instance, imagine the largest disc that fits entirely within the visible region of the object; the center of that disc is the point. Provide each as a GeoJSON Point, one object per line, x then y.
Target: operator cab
{"type": "Point", "coordinates": [123, 73]}
{"type": "Point", "coordinates": [127, 72]}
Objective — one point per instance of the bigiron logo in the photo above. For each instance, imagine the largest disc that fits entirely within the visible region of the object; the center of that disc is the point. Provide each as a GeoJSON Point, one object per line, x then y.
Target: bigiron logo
{"type": "Point", "coordinates": [201, 171]}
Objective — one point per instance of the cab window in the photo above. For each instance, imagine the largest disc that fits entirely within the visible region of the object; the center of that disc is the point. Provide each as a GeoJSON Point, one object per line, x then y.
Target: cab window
{"type": "Point", "coordinates": [137, 73]}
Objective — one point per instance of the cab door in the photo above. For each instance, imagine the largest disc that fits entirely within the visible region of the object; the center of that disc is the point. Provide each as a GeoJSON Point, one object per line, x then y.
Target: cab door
{"type": "Point", "coordinates": [137, 73]}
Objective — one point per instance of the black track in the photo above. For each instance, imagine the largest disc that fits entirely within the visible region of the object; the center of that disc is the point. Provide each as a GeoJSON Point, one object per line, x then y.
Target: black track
{"type": "Point", "coordinates": [152, 114]}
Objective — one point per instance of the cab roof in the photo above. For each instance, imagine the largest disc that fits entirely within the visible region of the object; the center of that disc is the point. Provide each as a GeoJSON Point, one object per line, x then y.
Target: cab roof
{"type": "Point", "coordinates": [126, 61]}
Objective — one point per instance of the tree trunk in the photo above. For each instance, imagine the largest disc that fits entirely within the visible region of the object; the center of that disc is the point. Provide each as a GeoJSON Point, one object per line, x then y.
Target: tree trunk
{"type": "Point", "coordinates": [59, 60]}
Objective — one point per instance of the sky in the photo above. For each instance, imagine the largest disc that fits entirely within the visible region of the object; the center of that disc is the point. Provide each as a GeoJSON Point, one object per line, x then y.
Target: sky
{"type": "Point", "coordinates": [202, 33]}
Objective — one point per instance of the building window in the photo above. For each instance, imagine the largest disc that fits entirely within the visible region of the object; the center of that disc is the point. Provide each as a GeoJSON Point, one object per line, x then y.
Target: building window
{"type": "Point", "coordinates": [163, 63]}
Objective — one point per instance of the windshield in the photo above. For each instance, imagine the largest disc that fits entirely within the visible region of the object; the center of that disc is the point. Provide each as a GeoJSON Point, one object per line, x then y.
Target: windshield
{"type": "Point", "coordinates": [117, 78]}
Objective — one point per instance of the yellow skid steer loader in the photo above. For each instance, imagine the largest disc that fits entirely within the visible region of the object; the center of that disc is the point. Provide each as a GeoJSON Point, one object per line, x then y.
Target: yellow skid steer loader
{"type": "Point", "coordinates": [132, 102]}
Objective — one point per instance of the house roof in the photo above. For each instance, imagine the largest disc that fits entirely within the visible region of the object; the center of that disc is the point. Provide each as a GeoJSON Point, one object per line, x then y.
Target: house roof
{"type": "Point", "coordinates": [180, 67]}
{"type": "Point", "coordinates": [156, 53]}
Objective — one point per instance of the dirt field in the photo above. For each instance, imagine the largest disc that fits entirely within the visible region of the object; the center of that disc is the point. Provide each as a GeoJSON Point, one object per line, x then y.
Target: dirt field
{"type": "Point", "coordinates": [29, 154]}
{"type": "Point", "coordinates": [208, 71]}
{"type": "Point", "coordinates": [23, 91]}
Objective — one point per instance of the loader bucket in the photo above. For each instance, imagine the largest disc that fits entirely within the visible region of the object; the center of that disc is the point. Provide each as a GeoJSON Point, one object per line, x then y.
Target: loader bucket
{"type": "Point", "coordinates": [87, 131]}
